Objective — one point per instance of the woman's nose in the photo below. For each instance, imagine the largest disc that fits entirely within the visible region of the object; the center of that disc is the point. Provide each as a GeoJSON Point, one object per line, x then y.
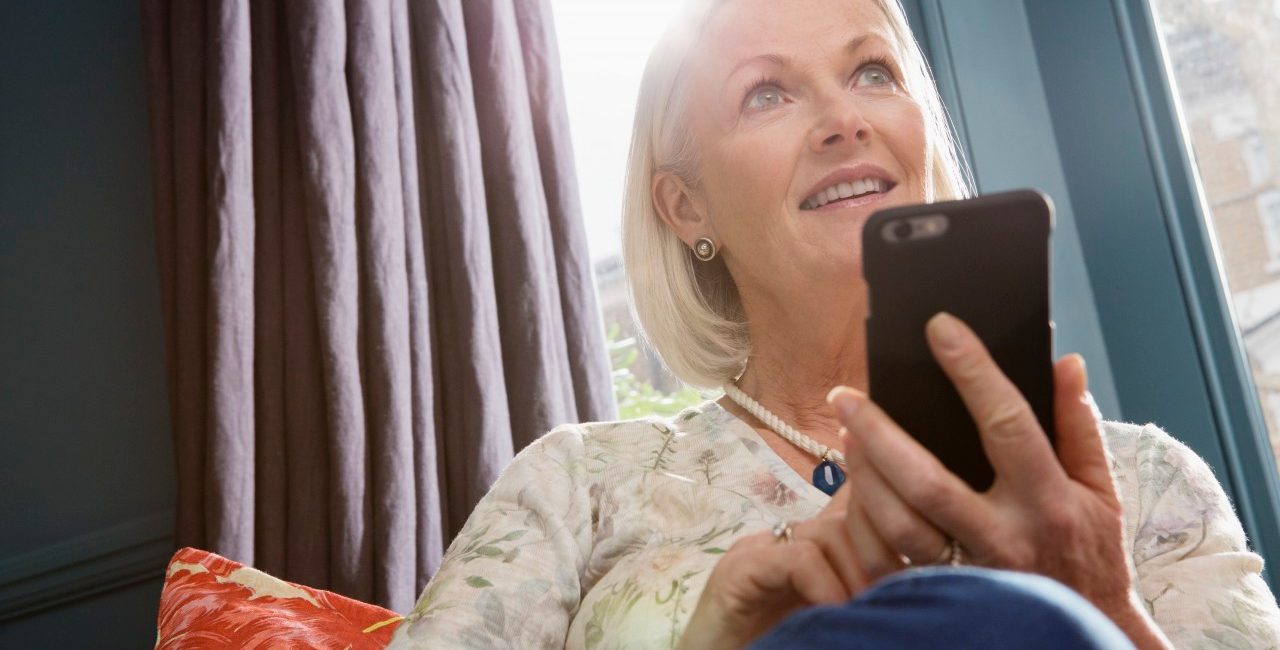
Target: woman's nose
{"type": "Point", "coordinates": [841, 123]}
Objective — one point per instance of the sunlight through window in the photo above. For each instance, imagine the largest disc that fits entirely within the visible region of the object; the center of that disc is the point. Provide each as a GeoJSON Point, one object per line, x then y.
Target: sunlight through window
{"type": "Point", "coordinates": [603, 49]}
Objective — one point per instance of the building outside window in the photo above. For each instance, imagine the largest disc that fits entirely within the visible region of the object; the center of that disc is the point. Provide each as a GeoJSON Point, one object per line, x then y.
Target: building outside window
{"type": "Point", "coordinates": [1223, 55]}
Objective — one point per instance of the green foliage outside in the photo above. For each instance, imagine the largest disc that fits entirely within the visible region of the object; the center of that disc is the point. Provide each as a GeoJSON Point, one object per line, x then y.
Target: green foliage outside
{"type": "Point", "coordinates": [636, 397]}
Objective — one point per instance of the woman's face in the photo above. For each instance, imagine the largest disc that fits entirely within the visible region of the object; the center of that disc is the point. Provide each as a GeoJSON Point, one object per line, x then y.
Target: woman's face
{"type": "Point", "coordinates": [803, 129]}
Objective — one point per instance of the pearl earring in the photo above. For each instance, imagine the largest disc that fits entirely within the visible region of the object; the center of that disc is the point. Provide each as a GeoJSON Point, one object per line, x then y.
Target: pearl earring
{"type": "Point", "coordinates": [704, 249]}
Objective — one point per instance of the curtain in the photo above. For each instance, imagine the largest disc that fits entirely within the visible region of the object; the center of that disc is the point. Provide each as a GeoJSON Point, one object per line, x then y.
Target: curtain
{"type": "Point", "coordinates": [375, 279]}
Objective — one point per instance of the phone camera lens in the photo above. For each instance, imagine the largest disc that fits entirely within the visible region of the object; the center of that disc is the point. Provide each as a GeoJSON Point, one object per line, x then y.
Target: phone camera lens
{"type": "Point", "coordinates": [902, 230]}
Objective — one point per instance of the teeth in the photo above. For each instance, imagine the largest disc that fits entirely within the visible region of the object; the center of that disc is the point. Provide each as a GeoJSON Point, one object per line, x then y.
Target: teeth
{"type": "Point", "coordinates": [843, 191]}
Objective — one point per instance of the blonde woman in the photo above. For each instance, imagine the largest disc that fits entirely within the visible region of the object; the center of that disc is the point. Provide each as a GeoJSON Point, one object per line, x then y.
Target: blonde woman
{"type": "Point", "coordinates": [766, 133]}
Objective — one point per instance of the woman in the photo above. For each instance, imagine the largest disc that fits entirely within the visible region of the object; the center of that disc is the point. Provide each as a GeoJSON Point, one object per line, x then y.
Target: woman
{"type": "Point", "coordinates": [766, 133]}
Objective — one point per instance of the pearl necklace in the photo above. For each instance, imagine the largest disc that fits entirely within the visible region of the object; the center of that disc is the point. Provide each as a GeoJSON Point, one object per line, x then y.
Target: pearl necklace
{"type": "Point", "coordinates": [827, 476]}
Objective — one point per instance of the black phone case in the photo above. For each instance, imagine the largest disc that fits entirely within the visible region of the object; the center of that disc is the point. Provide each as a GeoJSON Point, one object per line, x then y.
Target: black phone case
{"type": "Point", "coordinates": [991, 270]}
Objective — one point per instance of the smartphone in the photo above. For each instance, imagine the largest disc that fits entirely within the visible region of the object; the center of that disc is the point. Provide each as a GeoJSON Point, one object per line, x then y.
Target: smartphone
{"type": "Point", "coordinates": [985, 261]}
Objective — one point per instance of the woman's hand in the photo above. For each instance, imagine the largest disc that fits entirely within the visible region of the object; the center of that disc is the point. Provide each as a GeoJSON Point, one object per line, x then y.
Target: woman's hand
{"type": "Point", "coordinates": [1056, 515]}
{"type": "Point", "coordinates": [762, 578]}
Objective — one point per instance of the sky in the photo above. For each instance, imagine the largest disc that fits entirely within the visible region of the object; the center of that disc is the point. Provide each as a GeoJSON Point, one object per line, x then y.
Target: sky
{"type": "Point", "coordinates": [603, 48]}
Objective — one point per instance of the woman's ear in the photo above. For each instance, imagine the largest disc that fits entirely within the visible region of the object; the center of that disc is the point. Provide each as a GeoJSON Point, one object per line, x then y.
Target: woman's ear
{"type": "Point", "coordinates": [679, 208]}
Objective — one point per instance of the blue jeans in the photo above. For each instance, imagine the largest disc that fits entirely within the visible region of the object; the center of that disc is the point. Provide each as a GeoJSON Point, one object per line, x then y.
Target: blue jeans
{"type": "Point", "coordinates": [943, 607]}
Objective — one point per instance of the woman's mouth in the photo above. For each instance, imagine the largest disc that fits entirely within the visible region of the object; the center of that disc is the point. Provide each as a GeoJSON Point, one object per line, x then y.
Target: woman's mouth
{"type": "Point", "coordinates": [848, 194]}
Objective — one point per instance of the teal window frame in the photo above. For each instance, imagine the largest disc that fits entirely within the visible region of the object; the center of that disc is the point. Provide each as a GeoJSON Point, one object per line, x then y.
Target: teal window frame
{"type": "Point", "coordinates": [1075, 98]}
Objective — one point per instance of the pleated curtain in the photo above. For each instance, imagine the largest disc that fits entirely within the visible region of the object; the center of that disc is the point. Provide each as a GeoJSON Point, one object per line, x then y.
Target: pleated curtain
{"type": "Point", "coordinates": [375, 279]}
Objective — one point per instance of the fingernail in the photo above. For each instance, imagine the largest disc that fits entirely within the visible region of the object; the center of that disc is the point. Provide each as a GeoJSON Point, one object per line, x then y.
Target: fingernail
{"type": "Point", "coordinates": [944, 329]}
{"type": "Point", "coordinates": [844, 399]}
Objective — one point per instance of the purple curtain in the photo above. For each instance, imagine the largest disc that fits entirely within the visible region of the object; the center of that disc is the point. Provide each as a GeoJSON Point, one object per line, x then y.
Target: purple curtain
{"type": "Point", "coordinates": [375, 278]}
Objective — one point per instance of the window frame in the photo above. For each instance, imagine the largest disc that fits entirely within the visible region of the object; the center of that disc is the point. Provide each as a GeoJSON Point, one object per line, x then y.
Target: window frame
{"type": "Point", "coordinates": [1115, 157]}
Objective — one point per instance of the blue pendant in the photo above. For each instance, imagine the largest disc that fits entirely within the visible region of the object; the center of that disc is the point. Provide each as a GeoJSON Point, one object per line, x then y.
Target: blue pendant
{"type": "Point", "coordinates": [828, 477]}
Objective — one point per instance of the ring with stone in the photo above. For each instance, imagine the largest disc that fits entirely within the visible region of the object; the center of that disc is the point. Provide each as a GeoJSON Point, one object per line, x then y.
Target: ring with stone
{"type": "Point", "coordinates": [950, 553]}
{"type": "Point", "coordinates": [944, 556]}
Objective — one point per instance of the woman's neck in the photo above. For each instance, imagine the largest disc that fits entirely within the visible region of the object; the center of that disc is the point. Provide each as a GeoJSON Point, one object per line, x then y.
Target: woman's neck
{"type": "Point", "coordinates": [793, 365]}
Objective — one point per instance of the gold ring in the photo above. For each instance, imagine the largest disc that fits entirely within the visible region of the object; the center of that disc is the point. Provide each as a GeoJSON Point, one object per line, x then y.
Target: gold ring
{"type": "Point", "coordinates": [783, 532]}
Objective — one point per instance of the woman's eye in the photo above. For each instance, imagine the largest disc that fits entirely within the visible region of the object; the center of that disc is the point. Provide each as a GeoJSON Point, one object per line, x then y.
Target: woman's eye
{"type": "Point", "coordinates": [874, 75]}
{"type": "Point", "coordinates": [764, 97]}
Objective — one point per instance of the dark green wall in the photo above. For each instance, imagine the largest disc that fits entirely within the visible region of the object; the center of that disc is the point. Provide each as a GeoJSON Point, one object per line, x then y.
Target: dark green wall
{"type": "Point", "coordinates": [86, 472]}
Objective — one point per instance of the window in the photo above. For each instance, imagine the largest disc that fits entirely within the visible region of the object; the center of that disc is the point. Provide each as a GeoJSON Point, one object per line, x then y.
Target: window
{"type": "Point", "coordinates": [603, 49]}
{"type": "Point", "coordinates": [1222, 57]}
{"type": "Point", "coordinates": [1080, 98]}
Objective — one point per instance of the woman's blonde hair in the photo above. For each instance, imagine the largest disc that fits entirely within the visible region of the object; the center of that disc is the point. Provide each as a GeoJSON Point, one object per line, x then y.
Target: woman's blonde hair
{"type": "Point", "coordinates": [690, 311]}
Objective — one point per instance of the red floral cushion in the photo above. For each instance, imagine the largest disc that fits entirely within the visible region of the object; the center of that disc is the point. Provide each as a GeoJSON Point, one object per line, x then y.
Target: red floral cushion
{"type": "Point", "coordinates": [212, 602]}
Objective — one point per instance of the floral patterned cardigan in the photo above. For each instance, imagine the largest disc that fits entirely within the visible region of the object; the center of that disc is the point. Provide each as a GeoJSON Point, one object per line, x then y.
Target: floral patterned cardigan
{"type": "Point", "coordinates": [603, 535]}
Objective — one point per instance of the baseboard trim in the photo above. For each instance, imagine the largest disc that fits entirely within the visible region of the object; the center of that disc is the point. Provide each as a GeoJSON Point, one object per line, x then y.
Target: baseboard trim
{"type": "Point", "coordinates": [86, 565]}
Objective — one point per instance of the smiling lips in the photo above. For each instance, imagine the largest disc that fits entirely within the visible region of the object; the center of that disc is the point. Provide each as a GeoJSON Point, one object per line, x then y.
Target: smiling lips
{"type": "Point", "coordinates": [849, 184]}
